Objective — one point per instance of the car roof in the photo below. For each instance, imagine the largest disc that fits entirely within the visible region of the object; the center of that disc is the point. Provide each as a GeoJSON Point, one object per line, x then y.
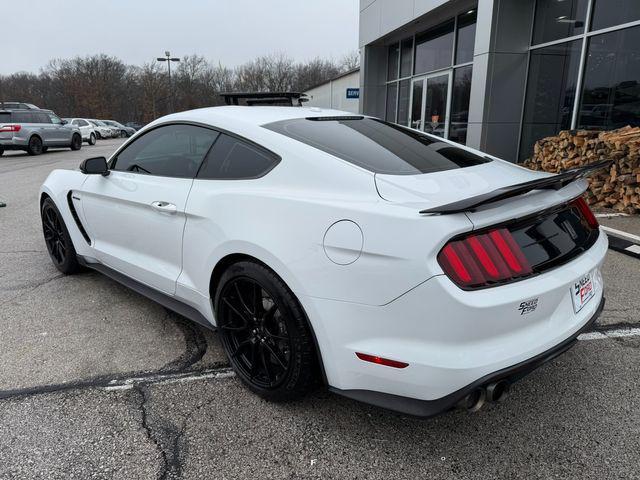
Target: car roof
{"type": "Point", "coordinates": [256, 116]}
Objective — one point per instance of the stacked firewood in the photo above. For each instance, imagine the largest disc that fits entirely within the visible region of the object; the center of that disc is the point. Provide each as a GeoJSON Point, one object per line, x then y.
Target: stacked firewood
{"type": "Point", "coordinates": [617, 188]}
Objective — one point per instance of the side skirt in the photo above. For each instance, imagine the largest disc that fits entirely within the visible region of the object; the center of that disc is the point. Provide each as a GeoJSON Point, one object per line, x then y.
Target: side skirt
{"type": "Point", "coordinates": [151, 293]}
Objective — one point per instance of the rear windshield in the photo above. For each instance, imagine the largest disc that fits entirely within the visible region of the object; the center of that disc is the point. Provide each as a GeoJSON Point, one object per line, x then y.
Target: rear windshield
{"type": "Point", "coordinates": [5, 117]}
{"type": "Point", "coordinates": [377, 146]}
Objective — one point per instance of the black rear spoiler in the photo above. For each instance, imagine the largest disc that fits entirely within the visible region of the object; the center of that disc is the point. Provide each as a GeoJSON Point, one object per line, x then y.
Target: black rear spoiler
{"type": "Point", "coordinates": [556, 182]}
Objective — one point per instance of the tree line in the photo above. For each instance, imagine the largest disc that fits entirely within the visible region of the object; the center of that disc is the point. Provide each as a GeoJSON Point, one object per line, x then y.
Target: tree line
{"type": "Point", "coordinates": [102, 86]}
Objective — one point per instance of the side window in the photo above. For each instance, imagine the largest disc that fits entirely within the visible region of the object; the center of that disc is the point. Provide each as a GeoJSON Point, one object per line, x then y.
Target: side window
{"type": "Point", "coordinates": [169, 151]}
{"type": "Point", "coordinates": [233, 159]}
{"type": "Point", "coordinates": [42, 118]}
{"type": "Point", "coordinates": [76, 122]}
{"type": "Point", "coordinates": [82, 123]}
{"type": "Point", "coordinates": [23, 117]}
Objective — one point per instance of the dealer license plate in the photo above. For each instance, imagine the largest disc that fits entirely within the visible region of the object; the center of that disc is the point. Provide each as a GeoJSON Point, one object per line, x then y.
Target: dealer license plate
{"type": "Point", "coordinates": [582, 291]}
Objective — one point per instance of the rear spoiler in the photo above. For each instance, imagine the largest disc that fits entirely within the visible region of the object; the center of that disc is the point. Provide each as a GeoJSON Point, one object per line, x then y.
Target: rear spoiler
{"type": "Point", "coordinates": [555, 182]}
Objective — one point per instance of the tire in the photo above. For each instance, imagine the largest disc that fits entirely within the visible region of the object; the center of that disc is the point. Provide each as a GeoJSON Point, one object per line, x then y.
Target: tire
{"type": "Point", "coordinates": [35, 145]}
{"type": "Point", "coordinates": [92, 139]}
{"type": "Point", "coordinates": [1, 151]}
{"type": "Point", "coordinates": [98, 136]}
{"type": "Point", "coordinates": [76, 142]}
{"type": "Point", "coordinates": [266, 337]}
{"type": "Point", "coordinates": [123, 134]}
{"type": "Point", "coordinates": [57, 238]}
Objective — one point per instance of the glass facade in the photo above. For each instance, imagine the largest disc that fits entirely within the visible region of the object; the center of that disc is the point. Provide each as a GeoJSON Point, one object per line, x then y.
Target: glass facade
{"type": "Point", "coordinates": [429, 78]}
{"type": "Point", "coordinates": [611, 89]}
{"type": "Point", "coordinates": [434, 48]}
{"type": "Point", "coordinates": [553, 73]}
{"type": "Point", "coordinates": [460, 104]}
{"type": "Point", "coordinates": [558, 19]}
{"type": "Point", "coordinates": [582, 77]}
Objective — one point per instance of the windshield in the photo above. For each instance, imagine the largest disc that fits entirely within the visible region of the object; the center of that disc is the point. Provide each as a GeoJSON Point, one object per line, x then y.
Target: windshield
{"type": "Point", "coordinates": [377, 146]}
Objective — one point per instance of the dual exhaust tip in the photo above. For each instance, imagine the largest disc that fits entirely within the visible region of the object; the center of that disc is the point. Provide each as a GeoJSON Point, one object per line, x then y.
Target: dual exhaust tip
{"type": "Point", "coordinates": [492, 393]}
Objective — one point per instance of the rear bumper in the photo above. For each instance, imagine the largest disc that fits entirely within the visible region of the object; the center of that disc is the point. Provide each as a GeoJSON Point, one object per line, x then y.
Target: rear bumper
{"type": "Point", "coordinates": [430, 408]}
{"type": "Point", "coordinates": [451, 339]}
{"type": "Point", "coordinates": [13, 143]}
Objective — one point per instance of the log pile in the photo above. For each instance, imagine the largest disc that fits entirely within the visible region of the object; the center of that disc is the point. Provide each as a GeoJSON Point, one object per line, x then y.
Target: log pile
{"type": "Point", "coordinates": [618, 188]}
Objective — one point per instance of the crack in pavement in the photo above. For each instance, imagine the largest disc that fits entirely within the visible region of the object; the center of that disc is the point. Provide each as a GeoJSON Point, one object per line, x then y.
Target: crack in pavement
{"type": "Point", "coordinates": [168, 465]}
{"type": "Point", "coordinates": [195, 343]}
{"type": "Point", "coordinates": [29, 287]}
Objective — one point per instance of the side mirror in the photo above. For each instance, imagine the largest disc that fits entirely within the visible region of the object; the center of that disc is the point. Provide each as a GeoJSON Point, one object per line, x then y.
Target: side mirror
{"type": "Point", "coordinates": [64, 122]}
{"type": "Point", "coordinates": [95, 166]}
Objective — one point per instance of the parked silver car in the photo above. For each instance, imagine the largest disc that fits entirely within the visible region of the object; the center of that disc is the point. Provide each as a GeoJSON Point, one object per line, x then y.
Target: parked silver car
{"type": "Point", "coordinates": [123, 130]}
{"type": "Point", "coordinates": [34, 131]}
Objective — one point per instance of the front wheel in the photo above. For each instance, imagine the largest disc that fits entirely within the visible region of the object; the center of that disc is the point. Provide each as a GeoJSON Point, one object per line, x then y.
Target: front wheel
{"type": "Point", "coordinates": [265, 333]}
{"type": "Point", "coordinates": [57, 238]}
{"type": "Point", "coordinates": [76, 142]}
{"type": "Point", "coordinates": [92, 139]}
{"type": "Point", "coordinates": [98, 136]}
{"type": "Point", "coordinates": [1, 151]}
{"type": "Point", "coordinates": [34, 147]}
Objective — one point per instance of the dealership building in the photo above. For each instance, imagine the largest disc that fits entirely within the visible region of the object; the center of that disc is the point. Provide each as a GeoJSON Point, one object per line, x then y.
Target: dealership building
{"type": "Point", "coordinates": [500, 74]}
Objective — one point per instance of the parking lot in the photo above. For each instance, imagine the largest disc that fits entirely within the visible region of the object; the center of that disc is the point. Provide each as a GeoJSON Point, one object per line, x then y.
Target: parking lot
{"type": "Point", "coordinates": [99, 382]}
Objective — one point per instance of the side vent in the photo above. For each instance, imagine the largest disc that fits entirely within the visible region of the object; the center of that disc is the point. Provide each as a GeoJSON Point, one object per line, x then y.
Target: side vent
{"type": "Point", "coordinates": [72, 208]}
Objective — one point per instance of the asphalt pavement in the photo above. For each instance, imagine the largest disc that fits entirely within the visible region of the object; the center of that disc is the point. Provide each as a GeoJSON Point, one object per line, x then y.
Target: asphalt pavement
{"type": "Point", "coordinates": [99, 382]}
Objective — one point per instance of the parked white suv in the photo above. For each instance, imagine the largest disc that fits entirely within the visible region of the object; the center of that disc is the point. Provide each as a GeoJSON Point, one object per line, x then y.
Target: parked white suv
{"type": "Point", "coordinates": [86, 129]}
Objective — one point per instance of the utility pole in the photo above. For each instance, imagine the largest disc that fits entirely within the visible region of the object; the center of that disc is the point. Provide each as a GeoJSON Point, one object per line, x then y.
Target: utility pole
{"type": "Point", "coordinates": [168, 58]}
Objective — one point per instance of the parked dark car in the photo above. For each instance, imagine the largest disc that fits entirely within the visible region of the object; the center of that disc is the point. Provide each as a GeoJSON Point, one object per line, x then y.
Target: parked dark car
{"type": "Point", "coordinates": [136, 126]}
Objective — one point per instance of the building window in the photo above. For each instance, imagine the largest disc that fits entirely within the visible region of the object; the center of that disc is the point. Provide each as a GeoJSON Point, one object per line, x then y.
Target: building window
{"type": "Point", "coordinates": [611, 88]}
{"type": "Point", "coordinates": [403, 102]}
{"type": "Point", "coordinates": [460, 104]}
{"type": "Point", "coordinates": [406, 57]}
{"type": "Point", "coordinates": [392, 61]}
{"type": "Point", "coordinates": [466, 37]}
{"type": "Point", "coordinates": [392, 101]}
{"type": "Point", "coordinates": [434, 48]}
{"type": "Point", "coordinates": [558, 19]}
{"type": "Point", "coordinates": [607, 13]}
{"type": "Point", "coordinates": [551, 89]}
{"type": "Point", "coordinates": [591, 82]}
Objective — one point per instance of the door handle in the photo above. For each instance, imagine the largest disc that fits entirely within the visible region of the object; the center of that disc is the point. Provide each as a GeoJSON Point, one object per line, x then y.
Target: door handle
{"type": "Point", "coordinates": [164, 207]}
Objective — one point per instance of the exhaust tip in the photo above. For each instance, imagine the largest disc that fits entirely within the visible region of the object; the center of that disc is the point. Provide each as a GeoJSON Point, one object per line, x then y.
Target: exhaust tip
{"type": "Point", "coordinates": [473, 401]}
{"type": "Point", "coordinates": [497, 391]}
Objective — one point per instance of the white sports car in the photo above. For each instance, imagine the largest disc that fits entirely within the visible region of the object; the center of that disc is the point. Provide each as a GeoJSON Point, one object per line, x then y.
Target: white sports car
{"type": "Point", "coordinates": [395, 267]}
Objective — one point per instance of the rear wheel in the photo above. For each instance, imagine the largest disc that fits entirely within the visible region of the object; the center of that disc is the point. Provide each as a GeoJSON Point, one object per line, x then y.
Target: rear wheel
{"type": "Point", "coordinates": [92, 139]}
{"type": "Point", "coordinates": [98, 136]}
{"type": "Point", "coordinates": [1, 151]}
{"type": "Point", "coordinates": [264, 332]}
{"type": "Point", "coordinates": [56, 236]}
{"type": "Point", "coordinates": [34, 147]}
{"type": "Point", "coordinates": [76, 142]}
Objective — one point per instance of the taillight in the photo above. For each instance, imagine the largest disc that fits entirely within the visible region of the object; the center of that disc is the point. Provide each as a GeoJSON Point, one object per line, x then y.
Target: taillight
{"type": "Point", "coordinates": [485, 259]}
{"type": "Point", "coordinates": [586, 212]}
{"type": "Point", "coordinates": [10, 128]}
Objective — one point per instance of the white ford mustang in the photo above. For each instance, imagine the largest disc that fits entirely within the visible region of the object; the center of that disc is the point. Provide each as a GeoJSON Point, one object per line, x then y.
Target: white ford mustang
{"type": "Point", "coordinates": [398, 268]}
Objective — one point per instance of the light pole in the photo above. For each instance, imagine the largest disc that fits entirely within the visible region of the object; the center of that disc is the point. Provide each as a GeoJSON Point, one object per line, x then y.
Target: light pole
{"type": "Point", "coordinates": [168, 58]}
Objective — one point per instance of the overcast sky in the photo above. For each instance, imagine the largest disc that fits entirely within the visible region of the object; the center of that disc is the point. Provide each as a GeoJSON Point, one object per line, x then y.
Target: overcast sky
{"type": "Point", "coordinates": [229, 31]}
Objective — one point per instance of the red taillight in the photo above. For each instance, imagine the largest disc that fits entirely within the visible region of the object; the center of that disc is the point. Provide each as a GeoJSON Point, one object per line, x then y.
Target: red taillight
{"type": "Point", "coordinates": [10, 128]}
{"type": "Point", "coordinates": [586, 212]}
{"type": "Point", "coordinates": [381, 361]}
{"type": "Point", "coordinates": [481, 260]}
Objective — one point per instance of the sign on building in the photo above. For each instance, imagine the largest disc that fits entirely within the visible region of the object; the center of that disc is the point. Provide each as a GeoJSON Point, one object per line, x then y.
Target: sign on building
{"type": "Point", "coordinates": [353, 93]}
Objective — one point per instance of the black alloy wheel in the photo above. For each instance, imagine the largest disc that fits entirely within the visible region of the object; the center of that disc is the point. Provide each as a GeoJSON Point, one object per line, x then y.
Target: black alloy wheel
{"type": "Point", "coordinates": [76, 142]}
{"type": "Point", "coordinates": [57, 239]}
{"type": "Point", "coordinates": [264, 332]}
{"type": "Point", "coordinates": [34, 146]}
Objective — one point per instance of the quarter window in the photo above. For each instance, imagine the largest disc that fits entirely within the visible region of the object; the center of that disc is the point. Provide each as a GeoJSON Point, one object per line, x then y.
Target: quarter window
{"type": "Point", "coordinates": [169, 151]}
{"type": "Point", "coordinates": [233, 159]}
